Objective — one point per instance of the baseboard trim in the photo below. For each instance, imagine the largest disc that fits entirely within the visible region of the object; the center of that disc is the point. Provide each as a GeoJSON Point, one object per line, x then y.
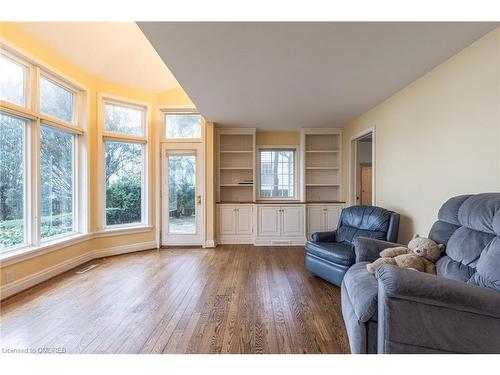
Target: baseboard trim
{"type": "Point", "coordinates": [291, 241]}
{"type": "Point", "coordinates": [18, 286]}
{"type": "Point", "coordinates": [124, 249]}
{"type": "Point", "coordinates": [235, 240]}
{"type": "Point", "coordinates": [210, 244]}
{"type": "Point", "coordinates": [24, 283]}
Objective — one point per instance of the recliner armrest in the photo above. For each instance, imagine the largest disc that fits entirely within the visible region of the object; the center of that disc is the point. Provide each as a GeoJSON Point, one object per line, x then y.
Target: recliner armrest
{"type": "Point", "coordinates": [430, 289]}
{"type": "Point", "coordinates": [324, 236]}
{"type": "Point", "coordinates": [424, 313]}
{"type": "Point", "coordinates": [368, 249]}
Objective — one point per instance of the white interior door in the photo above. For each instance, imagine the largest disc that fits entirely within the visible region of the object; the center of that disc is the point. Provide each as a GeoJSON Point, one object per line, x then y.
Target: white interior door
{"type": "Point", "coordinates": [182, 197]}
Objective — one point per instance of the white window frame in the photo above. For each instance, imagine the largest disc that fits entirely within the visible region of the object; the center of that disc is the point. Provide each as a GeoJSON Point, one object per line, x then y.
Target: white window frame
{"type": "Point", "coordinates": [32, 155]}
{"type": "Point", "coordinates": [144, 140]}
{"type": "Point", "coordinates": [296, 161]}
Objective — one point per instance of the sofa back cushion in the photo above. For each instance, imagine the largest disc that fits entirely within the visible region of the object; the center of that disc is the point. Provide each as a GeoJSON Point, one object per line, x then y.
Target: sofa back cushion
{"type": "Point", "coordinates": [469, 226]}
{"type": "Point", "coordinates": [366, 221]}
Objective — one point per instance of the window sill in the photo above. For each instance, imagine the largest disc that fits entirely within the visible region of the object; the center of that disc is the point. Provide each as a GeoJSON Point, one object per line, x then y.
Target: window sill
{"type": "Point", "coordinates": [25, 253]}
{"type": "Point", "coordinates": [124, 230]}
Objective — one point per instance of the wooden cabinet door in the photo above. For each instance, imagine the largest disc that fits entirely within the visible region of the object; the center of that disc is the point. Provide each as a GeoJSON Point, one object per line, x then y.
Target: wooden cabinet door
{"type": "Point", "coordinates": [244, 224]}
{"type": "Point", "coordinates": [227, 220]}
{"type": "Point", "coordinates": [315, 219]}
{"type": "Point", "coordinates": [292, 221]}
{"type": "Point", "coordinates": [268, 221]}
{"type": "Point", "coordinates": [332, 217]}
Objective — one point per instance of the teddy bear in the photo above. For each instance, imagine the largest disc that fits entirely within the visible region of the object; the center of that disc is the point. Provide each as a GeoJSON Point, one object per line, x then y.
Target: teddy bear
{"type": "Point", "coordinates": [420, 255]}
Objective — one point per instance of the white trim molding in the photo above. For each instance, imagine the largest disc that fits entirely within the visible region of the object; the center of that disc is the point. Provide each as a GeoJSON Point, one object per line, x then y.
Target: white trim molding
{"type": "Point", "coordinates": [352, 161]}
{"type": "Point", "coordinates": [24, 283]}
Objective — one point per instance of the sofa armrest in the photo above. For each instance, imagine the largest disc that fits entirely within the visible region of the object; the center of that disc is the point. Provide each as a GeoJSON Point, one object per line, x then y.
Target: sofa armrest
{"type": "Point", "coordinates": [368, 249]}
{"type": "Point", "coordinates": [324, 236]}
{"type": "Point", "coordinates": [423, 313]}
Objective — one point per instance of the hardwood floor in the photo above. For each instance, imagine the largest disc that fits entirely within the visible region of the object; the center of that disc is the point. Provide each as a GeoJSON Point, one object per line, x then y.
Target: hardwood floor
{"type": "Point", "coordinates": [232, 299]}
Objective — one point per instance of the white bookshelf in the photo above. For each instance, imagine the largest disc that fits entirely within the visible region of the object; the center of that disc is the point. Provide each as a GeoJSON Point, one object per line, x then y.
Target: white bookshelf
{"type": "Point", "coordinates": [322, 172]}
{"type": "Point", "coordinates": [235, 165]}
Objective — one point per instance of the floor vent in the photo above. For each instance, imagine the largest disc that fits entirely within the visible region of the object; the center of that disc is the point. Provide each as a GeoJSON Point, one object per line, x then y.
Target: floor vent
{"type": "Point", "coordinates": [87, 268]}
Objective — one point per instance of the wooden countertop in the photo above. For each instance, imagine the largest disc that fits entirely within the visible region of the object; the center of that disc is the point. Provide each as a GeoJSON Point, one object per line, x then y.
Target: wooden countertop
{"type": "Point", "coordinates": [280, 202]}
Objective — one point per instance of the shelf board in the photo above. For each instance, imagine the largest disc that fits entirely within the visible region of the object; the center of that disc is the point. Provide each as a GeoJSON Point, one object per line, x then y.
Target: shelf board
{"type": "Point", "coordinates": [236, 185]}
{"type": "Point", "coordinates": [313, 185]}
{"type": "Point", "coordinates": [322, 151]}
{"type": "Point", "coordinates": [235, 168]}
{"type": "Point", "coordinates": [322, 168]}
{"type": "Point", "coordinates": [236, 152]}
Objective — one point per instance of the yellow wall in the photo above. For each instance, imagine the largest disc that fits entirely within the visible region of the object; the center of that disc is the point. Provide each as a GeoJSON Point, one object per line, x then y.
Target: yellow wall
{"type": "Point", "coordinates": [177, 97]}
{"type": "Point", "coordinates": [277, 138]}
{"type": "Point", "coordinates": [438, 137]}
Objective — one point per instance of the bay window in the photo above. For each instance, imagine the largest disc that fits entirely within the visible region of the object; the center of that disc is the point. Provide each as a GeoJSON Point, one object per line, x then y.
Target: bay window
{"type": "Point", "coordinates": [40, 139]}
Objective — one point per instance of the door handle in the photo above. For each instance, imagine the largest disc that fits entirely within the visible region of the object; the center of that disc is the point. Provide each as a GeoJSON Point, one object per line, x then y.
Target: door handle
{"type": "Point", "coordinates": [198, 199]}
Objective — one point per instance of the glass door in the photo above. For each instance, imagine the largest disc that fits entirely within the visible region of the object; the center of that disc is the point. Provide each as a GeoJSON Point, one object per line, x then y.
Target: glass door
{"type": "Point", "coordinates": [182, 195]}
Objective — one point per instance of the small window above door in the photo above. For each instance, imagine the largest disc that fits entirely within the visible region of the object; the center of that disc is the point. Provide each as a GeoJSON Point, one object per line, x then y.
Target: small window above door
{"type": "Point", "coordinates": [183, 126]}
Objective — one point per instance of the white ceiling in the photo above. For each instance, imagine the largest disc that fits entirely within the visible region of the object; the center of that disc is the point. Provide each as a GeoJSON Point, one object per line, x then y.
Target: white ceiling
{"type": "Point", "coordinates": [284, 76]}
{"type": "Point", "coordinates": [114, 51]}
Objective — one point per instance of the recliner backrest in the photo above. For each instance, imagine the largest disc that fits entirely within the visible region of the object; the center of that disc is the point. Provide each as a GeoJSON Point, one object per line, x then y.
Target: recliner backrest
{"type": "Point", "coordinates": [469, 226]}
{"type": "Point", "coordinates": [367, 221]}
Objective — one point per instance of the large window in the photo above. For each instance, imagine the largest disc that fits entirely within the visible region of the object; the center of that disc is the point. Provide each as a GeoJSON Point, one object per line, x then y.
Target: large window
{"type": "Point", "coordinates": [277, 173]}
{"type": "Point", "coordinates": [57, 181]}
{"type": "Point", "coordinates": [124, 149]}
{"type": "Point", "coordinates": [38, 154]}
{"type": "Point", "coordinates": [12, 181]}
{"type": "Point", "coordinates": [123, 183]}
{"type": "Point", "coordinates": [183, 126]}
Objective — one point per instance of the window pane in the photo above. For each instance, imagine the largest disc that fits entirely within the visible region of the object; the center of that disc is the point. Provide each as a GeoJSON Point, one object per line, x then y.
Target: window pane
{"type": "Point", "coordinates": [183, 126]}
{"type": "Point", "coordinates": [123, 120]}
{"type": "Point", "coordinates": [123, 183]}
{"type": "Point", "coordinates": [12, 227]}
{"type": "Point", "coordinates": [56, 101]}
{"type": "Point", "coordinates": [56, 182]}
{"type": "Point", "coordinates": [181, 194]}
{"type": "Point", "coordinates": [277, 174]}
{"type": "Point", "coordinates": [12, 81]}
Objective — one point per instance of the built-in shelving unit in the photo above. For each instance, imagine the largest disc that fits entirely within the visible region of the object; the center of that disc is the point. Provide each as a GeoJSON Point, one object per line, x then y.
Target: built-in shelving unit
{"type": "Point", "coordinates": [235, 164]}
{"type": "Point", "coordinates": [322, 176]}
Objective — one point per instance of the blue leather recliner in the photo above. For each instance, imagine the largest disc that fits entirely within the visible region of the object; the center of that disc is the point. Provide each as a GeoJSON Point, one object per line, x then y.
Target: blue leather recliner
{"type": "Point", "coordinates": [330, 254]}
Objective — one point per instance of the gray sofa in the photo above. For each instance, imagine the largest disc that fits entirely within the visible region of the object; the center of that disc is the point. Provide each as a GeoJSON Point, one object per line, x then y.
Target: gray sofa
{"type": "Point", "coordinates": [456, 311]}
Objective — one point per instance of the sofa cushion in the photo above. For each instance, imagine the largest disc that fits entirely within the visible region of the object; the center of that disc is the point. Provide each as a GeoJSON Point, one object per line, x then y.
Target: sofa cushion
{"type": "Point", "coordinates": [478, 212]}
{"type": "Point", "coordinates": [447, 222]}
{"type": "Point", "coordinates": [335, 252]}
{"type": "Point", "coordinates": [465, 245]}
{"type": "Point", "coordinates": [472, 225]}
{"type": "Point", "coordinates": [451, 269]}
{"type": "Point", "coordinates": [488, 267]}
{"type": "Point", "coordinates": [361, 287]}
